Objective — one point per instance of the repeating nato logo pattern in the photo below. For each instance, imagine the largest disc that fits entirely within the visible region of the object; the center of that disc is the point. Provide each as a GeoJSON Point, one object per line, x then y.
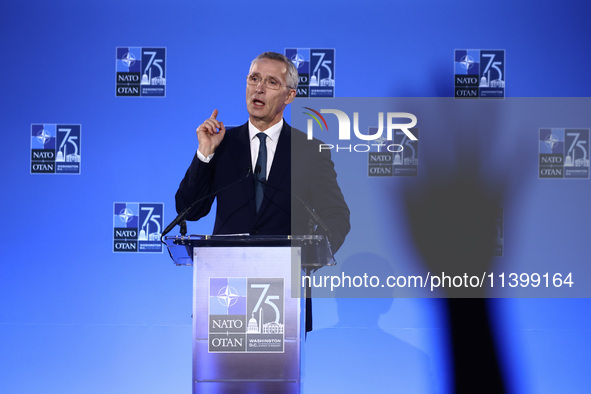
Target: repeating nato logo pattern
{"type": "Point", "coordinates": [137, 227]}
{"type": "Point", "coordinates": [563, 153]}
{"type": "Point", "coordinates": [141, 71]}
{"type": "Point", "coordinates": [55, 149]}
{"type": "Point", "coordinates": [316, 69]}
{"type": "Point", "coordinates": [246, 315]}
{"type": "Point", "coordinates": [479, 73]}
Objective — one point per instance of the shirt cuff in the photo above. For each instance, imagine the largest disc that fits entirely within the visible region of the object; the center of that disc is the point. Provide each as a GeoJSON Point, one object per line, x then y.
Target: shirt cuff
{"type": "Point", "coordinates": [203, 158]}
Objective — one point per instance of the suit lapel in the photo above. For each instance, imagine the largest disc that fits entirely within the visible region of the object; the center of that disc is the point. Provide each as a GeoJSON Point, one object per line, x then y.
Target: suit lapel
{"type": "Point", "coordinates": [240, 152]}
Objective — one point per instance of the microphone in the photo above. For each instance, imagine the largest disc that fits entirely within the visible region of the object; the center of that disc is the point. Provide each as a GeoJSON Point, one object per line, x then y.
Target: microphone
{"type": "Point", "coordinates": [181, 216]}
{"type": "Point", "coordinates": [311, 211]}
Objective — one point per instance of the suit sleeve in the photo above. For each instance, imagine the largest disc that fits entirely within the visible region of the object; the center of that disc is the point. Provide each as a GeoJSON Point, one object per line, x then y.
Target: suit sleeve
{"type": "Point", "coordinates": [197, 183]}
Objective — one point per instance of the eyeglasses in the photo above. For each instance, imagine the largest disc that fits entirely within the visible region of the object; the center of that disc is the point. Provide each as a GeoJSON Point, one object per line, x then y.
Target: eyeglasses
{"type": "Point", "coordinates": [269, 82]}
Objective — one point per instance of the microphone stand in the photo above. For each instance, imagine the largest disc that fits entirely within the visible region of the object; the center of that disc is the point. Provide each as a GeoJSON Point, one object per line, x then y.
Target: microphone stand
{"type": "Point", "coordinates": [180, 219]}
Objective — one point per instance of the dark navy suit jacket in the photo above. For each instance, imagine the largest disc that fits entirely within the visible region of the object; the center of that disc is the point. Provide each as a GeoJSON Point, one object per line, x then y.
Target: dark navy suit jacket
{"type": "Point", "coordinates": [298, 168]}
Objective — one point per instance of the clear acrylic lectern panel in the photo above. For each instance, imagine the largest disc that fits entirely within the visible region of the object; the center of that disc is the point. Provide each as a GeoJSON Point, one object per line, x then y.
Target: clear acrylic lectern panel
{"type": "Point", "coordinates": [248, 309]}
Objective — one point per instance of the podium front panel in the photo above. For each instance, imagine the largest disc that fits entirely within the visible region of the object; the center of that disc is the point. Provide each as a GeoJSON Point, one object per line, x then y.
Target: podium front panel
{"type": "Point", "coordinates": [246, 325]}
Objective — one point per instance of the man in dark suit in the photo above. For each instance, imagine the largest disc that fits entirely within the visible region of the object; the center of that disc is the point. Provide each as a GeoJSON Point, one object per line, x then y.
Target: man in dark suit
{"type": "Point", "coordinates": [282, 161]}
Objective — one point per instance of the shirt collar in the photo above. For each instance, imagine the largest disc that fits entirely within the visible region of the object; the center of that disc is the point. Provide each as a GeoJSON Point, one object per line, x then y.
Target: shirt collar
{"type": "Point", "coordinates": [272, 132]}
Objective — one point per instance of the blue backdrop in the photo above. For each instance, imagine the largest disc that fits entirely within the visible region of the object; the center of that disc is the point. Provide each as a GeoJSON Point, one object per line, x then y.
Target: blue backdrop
{"type": "Point", "coordinates": [77, 317]}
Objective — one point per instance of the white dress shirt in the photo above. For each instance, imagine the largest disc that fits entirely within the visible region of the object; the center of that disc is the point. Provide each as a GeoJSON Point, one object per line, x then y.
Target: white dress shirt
{"type": "Point", "coordinates": [271, 142]}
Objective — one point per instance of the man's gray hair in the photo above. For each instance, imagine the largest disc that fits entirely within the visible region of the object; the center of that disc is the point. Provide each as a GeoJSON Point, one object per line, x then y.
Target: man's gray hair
{"type": "Point", "coordinates": [292, 71]}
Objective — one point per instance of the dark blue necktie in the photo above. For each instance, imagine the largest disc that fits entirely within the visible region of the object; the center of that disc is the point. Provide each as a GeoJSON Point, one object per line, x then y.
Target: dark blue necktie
{"type": "Point", "coordinates": [260, 170]}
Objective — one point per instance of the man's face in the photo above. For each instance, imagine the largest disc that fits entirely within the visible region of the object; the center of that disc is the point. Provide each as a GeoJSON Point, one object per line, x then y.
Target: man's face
{"type": "Point", "coordinates": [265, 105]}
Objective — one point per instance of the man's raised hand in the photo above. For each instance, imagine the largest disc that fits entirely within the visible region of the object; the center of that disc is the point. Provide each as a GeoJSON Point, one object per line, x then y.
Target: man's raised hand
{"type": "Point", "coordinates": [210, 134]}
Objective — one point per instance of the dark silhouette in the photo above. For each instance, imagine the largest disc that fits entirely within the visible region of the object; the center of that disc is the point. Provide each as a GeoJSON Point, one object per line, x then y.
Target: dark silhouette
{"type": "Point", "coordinates": [452, 212]}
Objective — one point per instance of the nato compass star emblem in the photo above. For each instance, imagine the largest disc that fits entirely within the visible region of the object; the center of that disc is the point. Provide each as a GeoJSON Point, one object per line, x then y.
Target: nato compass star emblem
{"type": "Point", "coordinates": [467, 62]}
{"type": "Point", "coordinates": [125, 215]}
{"type": "Point", "coordinates": [43, 136]}
{"type": "Point", "coordinates": [551, 141]}
{"type": "Point", "coordinates": [383, 141]}
{"type": "Point", "coordinates": [128, 59]}
{"type": "Point", "coordinates": [297, 60]}
{"type": "Point", "coordinates": [227, 296]}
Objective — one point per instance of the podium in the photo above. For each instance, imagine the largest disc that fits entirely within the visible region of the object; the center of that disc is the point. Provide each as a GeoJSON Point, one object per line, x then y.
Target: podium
{"type": "Point", "coordinates": [248, 308]}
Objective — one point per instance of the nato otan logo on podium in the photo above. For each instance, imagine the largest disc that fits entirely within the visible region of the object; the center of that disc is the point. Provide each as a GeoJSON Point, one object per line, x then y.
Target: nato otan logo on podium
{"type": "Point", "coordinates": [137, 227]}
{"type": "Point", "coordinates": [55, 149]}
{"type": "Point", "coordinates": [563, 153]}
{"type": "Point", "coordinates": [479, 73]}
{"type": "Point", "coordinates": [141, 71]}
{"type": "Point", "coordinates": [246, 315]}
{"type": "Point", "coordinates": [316, 70]}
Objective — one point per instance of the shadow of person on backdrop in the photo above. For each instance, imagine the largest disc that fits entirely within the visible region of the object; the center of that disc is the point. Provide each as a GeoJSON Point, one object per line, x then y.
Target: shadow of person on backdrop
{"type": "Point", "coordinates": [356, 355]}
{"type": "Point", "coordinates": [452, 214]}
{"type": "Point", "coordinates": [452, 222]}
